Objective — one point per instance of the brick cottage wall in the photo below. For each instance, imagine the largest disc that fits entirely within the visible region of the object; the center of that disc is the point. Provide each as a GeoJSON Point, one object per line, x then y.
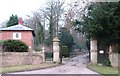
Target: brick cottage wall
{"type": "Point", "coordinates": [11, 59]}
{"type": "Point", "coordinates": [26, 36]}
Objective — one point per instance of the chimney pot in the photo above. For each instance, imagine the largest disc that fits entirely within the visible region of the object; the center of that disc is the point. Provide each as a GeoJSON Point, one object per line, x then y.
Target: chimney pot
{"type": "Point", "coordinates": [20, 21]}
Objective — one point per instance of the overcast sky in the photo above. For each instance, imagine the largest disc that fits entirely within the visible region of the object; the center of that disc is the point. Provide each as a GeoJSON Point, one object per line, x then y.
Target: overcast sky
{"type": "Point", "coordinates": [22, 8]}
{"type": "Point", "coordinates": [19, 7]}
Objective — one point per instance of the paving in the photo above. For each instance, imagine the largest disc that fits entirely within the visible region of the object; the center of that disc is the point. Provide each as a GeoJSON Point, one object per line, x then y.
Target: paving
{"type": "Point", "coordinates": [76, 65]}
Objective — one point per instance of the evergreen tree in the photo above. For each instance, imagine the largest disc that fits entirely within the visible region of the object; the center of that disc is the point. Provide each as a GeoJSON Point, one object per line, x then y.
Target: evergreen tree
{"type": "Point", "coordinates": [12, 21]}
{"type": "Point", "coordinates": [66, 38]}
{"type": "Point", "coordinates": [102, 22]}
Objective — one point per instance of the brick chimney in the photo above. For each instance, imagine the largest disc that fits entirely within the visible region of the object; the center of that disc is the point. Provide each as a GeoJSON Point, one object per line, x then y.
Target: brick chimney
{"type": "Point", "coordinates": [20, 21]}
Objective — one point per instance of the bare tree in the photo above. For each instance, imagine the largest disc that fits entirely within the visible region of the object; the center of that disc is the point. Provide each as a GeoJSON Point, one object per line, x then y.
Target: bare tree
{"type": "Point", "coordinates": [52, 12]}
{"type": "Point", "coordinates": [50, 16]}
{"type": "Point", "coordinates": [77, 10]}
{"type": "Point", "coordinates": [36, 22]}
{"type": "Point", "coordinates": [3, 24]}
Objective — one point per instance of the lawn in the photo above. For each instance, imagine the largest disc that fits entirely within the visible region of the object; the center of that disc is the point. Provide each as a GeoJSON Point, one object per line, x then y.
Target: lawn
{"type": "Point", "coordinates": [27, 67]}
{"type": "Point", "coordinates": [104, 70]}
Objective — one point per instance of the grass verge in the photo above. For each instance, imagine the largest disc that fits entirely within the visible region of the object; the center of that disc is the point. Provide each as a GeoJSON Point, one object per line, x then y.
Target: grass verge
{"type": "Point", "coordinates": [104, 70]}
{"type": "Point", "coordinates": [27, 67]}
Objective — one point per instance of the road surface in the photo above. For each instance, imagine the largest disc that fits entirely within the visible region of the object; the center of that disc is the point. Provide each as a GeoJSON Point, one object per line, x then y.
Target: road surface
{"type": "Point", "coordinates": [76, 65]}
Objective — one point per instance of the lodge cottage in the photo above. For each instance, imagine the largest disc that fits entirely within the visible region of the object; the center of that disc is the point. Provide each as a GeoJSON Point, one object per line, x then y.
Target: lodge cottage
{"type": "Point", "coordinates": [18, 32]}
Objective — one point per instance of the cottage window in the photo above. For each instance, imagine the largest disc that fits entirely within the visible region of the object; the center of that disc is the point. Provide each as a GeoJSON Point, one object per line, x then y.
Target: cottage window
{"type": "Point", "coordinates": [16, 35]}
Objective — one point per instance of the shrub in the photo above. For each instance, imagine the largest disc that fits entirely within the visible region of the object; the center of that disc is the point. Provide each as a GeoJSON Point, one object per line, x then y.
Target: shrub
{"type": "Point", "coordinates": [104, 59]}
{"type": "Point", "coordinates": [14, 46]}
{"type": "Point", "coordinates": [64, 51]}
{"type": "Point", "coordinates": [49, 54]}
{"type": "Point", "coordinates": [107, 62]}
{"type": "Point", "coordinates": [1, 42]}
{"type": "Point", "coordinates": [38, 49]}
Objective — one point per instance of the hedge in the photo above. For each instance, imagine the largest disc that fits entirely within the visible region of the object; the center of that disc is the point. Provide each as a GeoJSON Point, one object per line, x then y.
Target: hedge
{"type": "Point", "coordinates": [14, 46]}
{"type": "Point", "coordinates": [64, 51]}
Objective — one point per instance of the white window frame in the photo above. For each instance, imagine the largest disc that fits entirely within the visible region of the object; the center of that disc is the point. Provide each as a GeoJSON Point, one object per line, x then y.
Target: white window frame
{"type": "Point", "coordinates": [15, 35]}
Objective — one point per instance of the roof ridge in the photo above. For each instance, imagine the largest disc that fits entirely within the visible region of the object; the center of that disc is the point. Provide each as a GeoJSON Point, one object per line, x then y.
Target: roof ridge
{"type": "Point", "coordinates": [16, 27]}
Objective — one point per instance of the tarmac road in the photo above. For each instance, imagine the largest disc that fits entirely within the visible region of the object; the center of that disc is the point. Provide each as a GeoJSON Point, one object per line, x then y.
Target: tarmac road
{"type": "Point", "coordinates": [76, 65]}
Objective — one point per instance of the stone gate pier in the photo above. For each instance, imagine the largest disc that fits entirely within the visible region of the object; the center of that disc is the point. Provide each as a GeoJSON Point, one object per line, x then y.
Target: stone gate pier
{"type": "Point", "coordinates": [93, 50]}
{"type": "Point", "coordinates": [56, 50]}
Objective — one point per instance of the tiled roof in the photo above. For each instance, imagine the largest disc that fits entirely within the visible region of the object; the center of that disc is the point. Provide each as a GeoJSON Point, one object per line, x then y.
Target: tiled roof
{"type": "Point", "coordinates": [17, 27]}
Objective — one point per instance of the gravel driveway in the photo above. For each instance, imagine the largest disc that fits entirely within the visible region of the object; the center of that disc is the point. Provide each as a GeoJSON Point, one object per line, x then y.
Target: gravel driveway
{"type": "Point", "coordinates": [76, 65]}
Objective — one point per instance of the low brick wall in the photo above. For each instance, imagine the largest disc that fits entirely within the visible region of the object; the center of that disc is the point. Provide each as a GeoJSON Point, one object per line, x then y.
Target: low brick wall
{"type": "Point", "coordinates": [15, 58]}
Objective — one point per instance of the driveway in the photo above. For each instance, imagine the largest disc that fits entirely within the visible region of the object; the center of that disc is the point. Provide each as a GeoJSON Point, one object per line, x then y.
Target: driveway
{"type": "Point", "coordinates": [76, 65]}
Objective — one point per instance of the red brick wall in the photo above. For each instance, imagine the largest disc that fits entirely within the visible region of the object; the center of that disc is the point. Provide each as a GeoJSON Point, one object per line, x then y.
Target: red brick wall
{"type": "Point", "coordinates": [7, 35]}
{"type": "Point", "coordinates": [0, 35]}
{"type": "Point", "coordinates": [26, 37]}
